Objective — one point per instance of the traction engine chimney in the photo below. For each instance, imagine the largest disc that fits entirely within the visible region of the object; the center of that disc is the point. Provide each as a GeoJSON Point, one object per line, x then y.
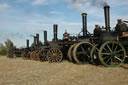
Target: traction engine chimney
{"type": "Point", "coordinates": [27, 42]}
{"type": "Point", "coordinates": [84, 21]}
{"type": "Point", "coordinates": [107, 18]}
{"type": "Point", "coordinates": [45, 37]}
{"type": "Point", "coordinates": [37, 36]}
{"type": "Point", "coordinates": [55, 29]}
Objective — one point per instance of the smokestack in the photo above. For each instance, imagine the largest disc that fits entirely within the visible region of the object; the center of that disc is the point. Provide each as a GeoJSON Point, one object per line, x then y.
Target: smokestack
{"type": "Point", "coordinates": [45, 37]}
{"type": "Point", "coordinates": [84, 21]}
{"type": "Point", "coordinates": [107, 18]}
{"type": "Point", "coordinates": [55, 26]}
{"type": "Point", "coordinates": [27, 42]}
{"type": "Point", "coordinates": [37, 36]}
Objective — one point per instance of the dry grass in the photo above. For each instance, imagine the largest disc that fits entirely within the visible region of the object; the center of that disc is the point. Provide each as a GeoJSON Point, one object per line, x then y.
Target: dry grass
{"type": "Point", "coordinates": [26, 72]}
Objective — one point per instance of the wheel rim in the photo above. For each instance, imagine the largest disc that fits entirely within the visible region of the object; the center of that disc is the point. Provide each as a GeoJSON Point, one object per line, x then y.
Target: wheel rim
{"type": "Point", "coordinates": [29, 55]}
{"type": "Point", "coordinates": [81, 52]}
{"type": "Point", "coordinates": [54, 55]}
{"type": "Point", "coordinates": [25, 54]}
{"type": "Point", "coordinates": [112, 54]}
{"type": "Point", "coordinates": [70, 52]}
{"type": "Point", "coordinates": [42, 54]}
{"type": "Point", "coordinates": [94, 54]}
{"type": "Point", "coordinates": [37, 55]}
{"type": "Point", "coordinates": [32, 55]}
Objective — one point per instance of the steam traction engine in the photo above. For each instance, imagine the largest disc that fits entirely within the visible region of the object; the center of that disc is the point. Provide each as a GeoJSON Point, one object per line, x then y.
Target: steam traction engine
{"type": "Point", "coordinates": [56, 50]}
{"type": "Point", "coordinates": [104, 46]}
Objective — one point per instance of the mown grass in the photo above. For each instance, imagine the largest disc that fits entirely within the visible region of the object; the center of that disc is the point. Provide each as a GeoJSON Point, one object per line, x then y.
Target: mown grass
{"type": "Point", "coordinates": [18, 71]}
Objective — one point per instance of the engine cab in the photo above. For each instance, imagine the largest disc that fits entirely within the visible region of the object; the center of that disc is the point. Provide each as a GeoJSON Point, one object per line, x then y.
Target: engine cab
{"type": "Point", "coordinates": [121, 28]}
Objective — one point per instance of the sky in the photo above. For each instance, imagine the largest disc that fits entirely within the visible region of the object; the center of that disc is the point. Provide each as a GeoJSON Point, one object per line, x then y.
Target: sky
{"type": "Point", "coordinates": [19, 19]}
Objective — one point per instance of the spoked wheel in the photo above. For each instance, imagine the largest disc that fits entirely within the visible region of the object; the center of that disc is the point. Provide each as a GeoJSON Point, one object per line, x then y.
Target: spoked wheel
{"type": "Point", "coordinates": [54, 55]}
{"type": "Point", "coordinates": [29, 54]}
{"type": "Point", "coordinates": [37, 57]}
{"type": "Point", "coordinates": [70, 52]}
{"type": "Point", "coordinates": [81, 52]}
{"type": "Point", "coordinates": [112, 53]}
{"type": "Point", "coordinates": [94, 55]}
{"type": "Point", "coordinates": [24, 55]}
{"type": "Point", "coordinates": [32, 55]}
{"type": "Point", "coordinates": [10, 55]}
{"type": "Point", "coordinates": [42, 54]}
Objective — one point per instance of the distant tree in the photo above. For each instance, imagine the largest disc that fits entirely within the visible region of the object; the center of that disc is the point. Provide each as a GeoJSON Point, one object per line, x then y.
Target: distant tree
{"type": "Point", "coordinates": [1, 46]}
{"type": "Point", "coordinates": [10, 47]}
{"type": "Point", "coordinates": [9, 44]}
{"type": "Point", "coordinates": [3, 52]}
{"type": "Point", "coordinates": [3, 49]}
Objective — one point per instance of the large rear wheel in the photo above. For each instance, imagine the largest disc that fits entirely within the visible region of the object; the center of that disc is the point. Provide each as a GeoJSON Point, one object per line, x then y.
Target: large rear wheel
{"type": "Point", "coordinates": [81, 52]}
{"type": "Point", "coordinates": [43, 55]}
{"type": "Point", "coordinates": [54, 55]}
{"type": "Point", "coordinates": [70, 52]}
{"type": "Point", "coordinates": [112, 53]}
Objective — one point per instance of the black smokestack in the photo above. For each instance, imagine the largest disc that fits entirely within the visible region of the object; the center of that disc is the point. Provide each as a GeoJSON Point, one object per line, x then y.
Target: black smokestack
{"type": "Point", "coordinates": [45, 37]}
{"type": "Point", "coordinates": [35, 40]}
{"type": "Point", "coordinates": [84, 21]}
{"type": "Point", "coordinates": [37, 35]}
{"type": "Point", "coordinates": [27, 42]}
{"type": "Point", "coordinates": [107, 18]}
{"type": "Point", "coordinates": [55, 29]}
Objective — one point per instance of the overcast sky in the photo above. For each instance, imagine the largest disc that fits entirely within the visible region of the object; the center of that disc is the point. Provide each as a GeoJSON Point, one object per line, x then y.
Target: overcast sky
{"type": "Point", "coordinates": [21, 18]}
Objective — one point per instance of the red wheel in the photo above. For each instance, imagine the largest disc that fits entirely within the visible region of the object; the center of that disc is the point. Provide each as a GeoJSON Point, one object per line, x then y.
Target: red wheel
{"type": "Point", "coordinates": [32, 55]}
{"type": "Point", "coordinates": [36, 55]}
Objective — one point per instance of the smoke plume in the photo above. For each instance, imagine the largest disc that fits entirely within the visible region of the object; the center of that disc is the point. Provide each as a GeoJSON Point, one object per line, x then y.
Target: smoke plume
{"type": "Point", "coordinates": [80, 4]}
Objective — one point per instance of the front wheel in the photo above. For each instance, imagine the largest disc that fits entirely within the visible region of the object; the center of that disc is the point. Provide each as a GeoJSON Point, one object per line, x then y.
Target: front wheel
{"type": "Point", "coordinates": [94, 55]}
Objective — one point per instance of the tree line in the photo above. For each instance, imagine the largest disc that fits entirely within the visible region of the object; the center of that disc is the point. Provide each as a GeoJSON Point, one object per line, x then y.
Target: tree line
{"type": "Point", "coordinates": [5, 48]}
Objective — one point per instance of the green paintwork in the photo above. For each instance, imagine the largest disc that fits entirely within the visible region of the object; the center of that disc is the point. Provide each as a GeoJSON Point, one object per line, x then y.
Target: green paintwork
{"type": "Point", "coordinates": [94, 54]}
{"type": "Point", "coordinates": [112, 53]}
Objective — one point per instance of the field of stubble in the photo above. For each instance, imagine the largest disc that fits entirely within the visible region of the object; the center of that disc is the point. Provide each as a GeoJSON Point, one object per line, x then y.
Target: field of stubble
{"type": "Point", "coordinates": [27, 72]}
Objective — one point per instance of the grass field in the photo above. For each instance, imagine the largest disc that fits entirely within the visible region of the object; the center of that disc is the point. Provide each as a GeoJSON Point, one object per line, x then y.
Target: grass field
{"type": "Point", "coordinates": [27, 72]}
